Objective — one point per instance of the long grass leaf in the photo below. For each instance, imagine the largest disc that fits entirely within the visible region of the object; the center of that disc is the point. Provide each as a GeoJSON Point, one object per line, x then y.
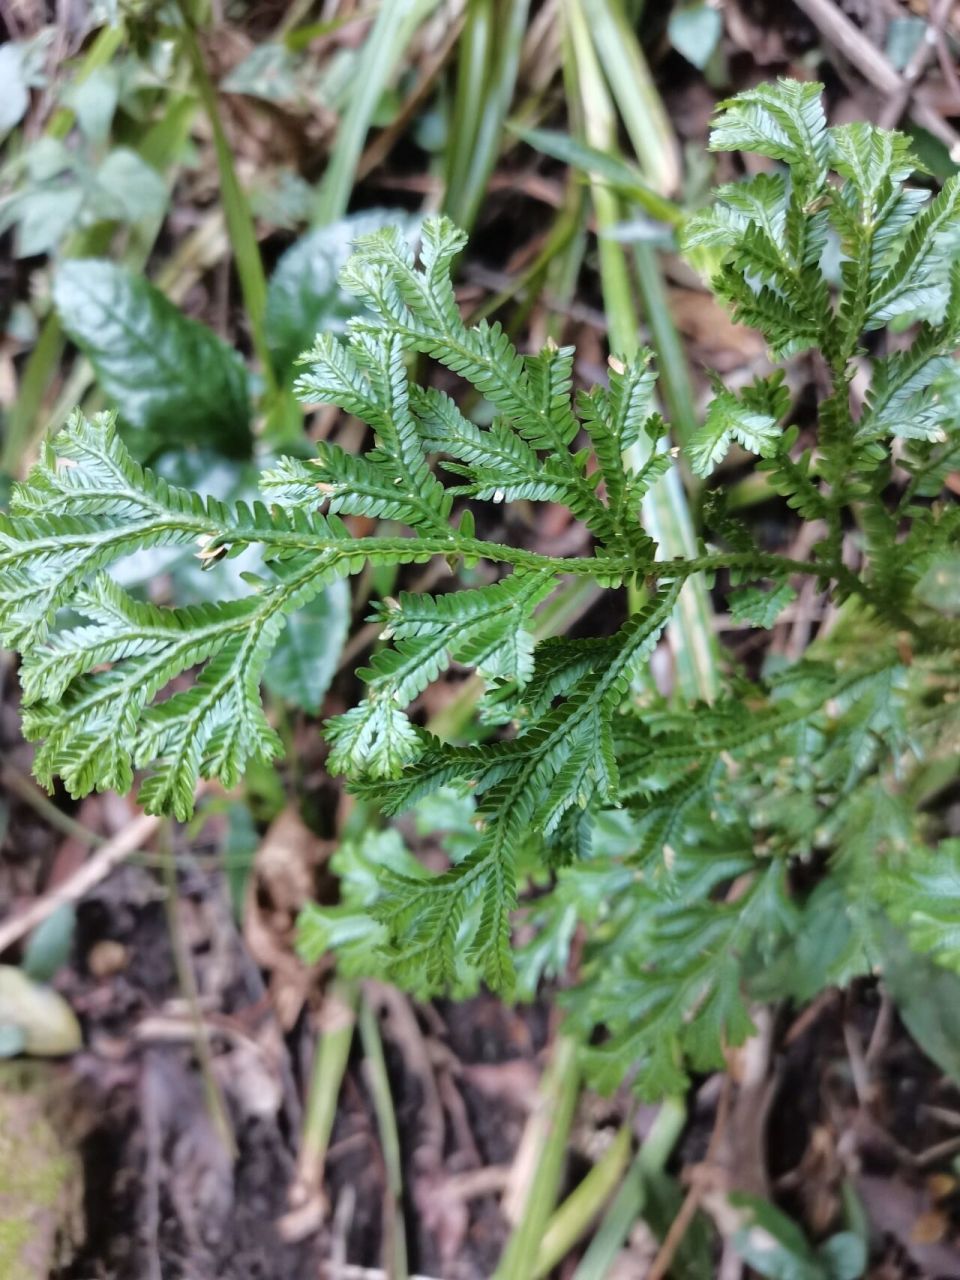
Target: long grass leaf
{"type": "Point", "coordinates": [625, 178]}
{"type": "Point", "coordinates": [666, 514]}
{"type": "Point", "coordinates": [236, 209]}
{"type": "Point", "coordinates": [636, 95]}
{"type": "Point", "coordinates": [490, 57]}
{"type": "Point", "coordinates": [627, 1205]}
{"type": "Point", "coordinates": [389, 36]}
{"type": "Point", "coordinates": [546, 1133]}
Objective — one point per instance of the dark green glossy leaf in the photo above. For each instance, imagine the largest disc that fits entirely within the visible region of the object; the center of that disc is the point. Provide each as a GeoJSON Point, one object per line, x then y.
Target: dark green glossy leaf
{"type": "Point", "coordinates": [927, 998]}
{"type": "Point", "coordinates": [169, 375]}
{"type": "Point", "coordinates": [305, 659]}
{"type": "Point", "coordinates": [304, 296]}
{"type": "Point", "coordinates": [49, 946]}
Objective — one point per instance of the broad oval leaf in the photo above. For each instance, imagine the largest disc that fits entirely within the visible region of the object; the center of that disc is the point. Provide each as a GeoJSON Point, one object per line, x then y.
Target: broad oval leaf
{"type": "Point", "coordinates": [304, 297]}
{"type": "Point", "coordinates": [129, 188]}
{"type": "Point", "coordinates": [305, 659]}
{"type": "Point", "coordinates": [169, 375]}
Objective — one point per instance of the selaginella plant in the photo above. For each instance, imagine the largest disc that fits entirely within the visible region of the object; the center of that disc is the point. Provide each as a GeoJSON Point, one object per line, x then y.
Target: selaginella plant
{"type": "Point", "coordinates": [711, 853]}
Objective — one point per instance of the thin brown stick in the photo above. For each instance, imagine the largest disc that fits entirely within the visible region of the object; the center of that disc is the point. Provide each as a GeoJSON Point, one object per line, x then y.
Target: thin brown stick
{"type": "Point", "coordinates": [882, 1029]}
{"type": "Point", "coordinates": [859, 1070]}
{"type": "Point", "coordinates": [835, 26]}
{"type": "Point", "coordinates": [96, 868]}
{"type": "Point", "coordinates": [947, 64]}
{"type": "Point", "coordinates": [381, 146]}
{"type": "Point", "coordinates": [893, 109]}
{"type": "Point", "coordinates": [933, 1155]}
{"type": "Point", "coordinates": [875, 67]}
{"type": "Point", "coordinates": [26, 789]}
{"type": "Point", "coordinates": [685, 1215]}
{"type": "Point", "coordinates": [11, 21]}
{"type": "Point", "coordinates": [678, 1229]}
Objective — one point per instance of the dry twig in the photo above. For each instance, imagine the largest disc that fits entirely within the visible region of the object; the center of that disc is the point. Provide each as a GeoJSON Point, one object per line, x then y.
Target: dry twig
{"type": "Point", "coordinates": [874, 66]}
{"type": "Point", "coordinates": [109, 855]}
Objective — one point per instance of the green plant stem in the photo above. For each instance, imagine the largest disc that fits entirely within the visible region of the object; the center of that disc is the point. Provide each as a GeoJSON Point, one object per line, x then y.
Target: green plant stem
{"type": "Point", "coordinates": [390, 34]}
{"type": "Point", "coordinates": [603, 566]}
{"type": "Point", "coordinates": [563, 274]}
{"type": "Point", "coordinates": [573, 1218]}
{"type": "Point", "coordinates": [629, 1201]}
{"type": "Point", "coordinates": [37, 373]}
{"type": "Point", "coordinates": [236, 209]}
{"type": "Point", "coordinates": [600, 127]}
{"type": "Point", "coordinates": [337, 554]}
{"type": "Point", "coordinates": [671, 357]}
{"type": "Point", "coordinates": [550, 1123]}
{"type": "Point", "coordinates": [640, 104]}
{"type": "Point", "coordinates": [665, 509]}
{"type": "Point", "coordinates": [490, 48]}
{"type": "Point", "coordinates": [329, 1064]}
{"type": "Point", "coordinates": [395, 1244]}
{"type": "Point", "coordinates": [473, 56]}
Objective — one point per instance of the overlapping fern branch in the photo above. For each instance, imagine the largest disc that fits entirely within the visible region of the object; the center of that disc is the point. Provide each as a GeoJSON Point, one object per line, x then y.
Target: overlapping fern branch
{"type": "Point", "coordinates": [694, 866]}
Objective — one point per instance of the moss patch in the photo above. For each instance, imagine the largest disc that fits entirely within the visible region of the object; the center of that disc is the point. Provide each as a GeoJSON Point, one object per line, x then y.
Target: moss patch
{"type": "Point", "coordinates": [40, 1177]}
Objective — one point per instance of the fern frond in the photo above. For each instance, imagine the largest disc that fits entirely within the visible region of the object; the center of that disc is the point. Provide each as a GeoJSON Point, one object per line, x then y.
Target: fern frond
{"type": "Point", "coordinates": [351, 485]}
{"type": "Point", "coordinates": [784, 121]}
{"type": "Point", "coordinates": [96, 724]}
{"type": "Point", "coordinates": [486, 628]}
{"type": "Point", "coordinates": [514, 783]}
{"type": "Point", "coordinates": [615, 419]}
{"type": "Point", "coordinates": [917, 281]}
{"type": "Point", "coordinates": [670, 831]}
{"type": "Point", "coordinates": [532, 393]}
{"type": "Point", "coordinates": [751, 420]}
{"type": "Point", "coordinates": [96, 693]}
{"type": "Point", "coordinates": [761, 608]}
{"type": "Point", "coordinates": [787, 329]}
